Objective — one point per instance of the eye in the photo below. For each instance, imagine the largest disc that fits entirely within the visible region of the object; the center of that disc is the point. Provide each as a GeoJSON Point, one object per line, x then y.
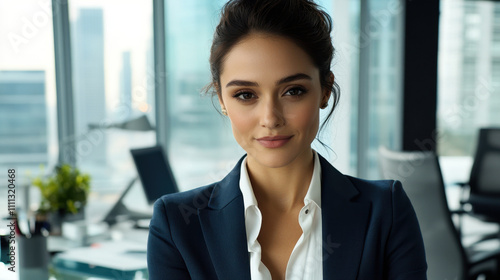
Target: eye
{"type": "Point", "coordinates": [244, 96]}
{"type": "Point", "coordinates": [296, 91]}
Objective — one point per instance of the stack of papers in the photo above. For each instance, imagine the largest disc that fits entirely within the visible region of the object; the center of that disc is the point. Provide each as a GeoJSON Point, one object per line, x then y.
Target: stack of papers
{"type": "Point", "coordinates": [114, 259]}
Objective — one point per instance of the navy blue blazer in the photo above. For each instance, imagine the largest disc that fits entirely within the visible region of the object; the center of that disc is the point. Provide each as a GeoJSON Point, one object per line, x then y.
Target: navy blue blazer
{"type": "Point", "coordinates": [370, 231]}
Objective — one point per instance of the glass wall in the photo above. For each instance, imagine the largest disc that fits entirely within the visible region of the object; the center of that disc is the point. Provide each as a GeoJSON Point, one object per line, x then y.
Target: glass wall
{"type": "Point", "coordinates": [27, 85]}
{"type": "Point", "coordinates": [28, 121]}
{"type": "Point", "coordinates": [113, 82]}
{"type": "Point", "coordinates": [339, 135]}
{"type": "Point", "coordinates": [383, 35]}
{"type": "Point", "coordinates": [469, 74]}
{"type": "Point", "coordinates": [201, 143]}
{"type": "Point", "coordinates": [368, 116]}
{"type": "Point", "coordinates": [369, 41]}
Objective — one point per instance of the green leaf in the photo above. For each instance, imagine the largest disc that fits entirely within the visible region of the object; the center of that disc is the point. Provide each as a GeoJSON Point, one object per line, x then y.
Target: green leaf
{"type": "Point", "coordinates": [65, 190]}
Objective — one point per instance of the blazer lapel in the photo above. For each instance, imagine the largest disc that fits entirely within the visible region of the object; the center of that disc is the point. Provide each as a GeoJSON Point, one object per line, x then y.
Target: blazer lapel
{"type": "Point", "coordinates": [344, 224]}
{"type": "Point", "coordinates": [223, 226]}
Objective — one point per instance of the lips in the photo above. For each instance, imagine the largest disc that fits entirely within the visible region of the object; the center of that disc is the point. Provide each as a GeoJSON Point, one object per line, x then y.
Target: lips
{"type": "Point", "coordinates": [274, 138]}
{"type": "Point", "coordinates": [274, 141]}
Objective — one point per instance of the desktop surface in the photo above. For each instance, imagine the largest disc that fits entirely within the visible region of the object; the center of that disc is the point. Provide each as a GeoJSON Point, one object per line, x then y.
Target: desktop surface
{"type": "Point", "coordinates": [121, 256]}
{"type": "Point", "coordinates": [107, 260]}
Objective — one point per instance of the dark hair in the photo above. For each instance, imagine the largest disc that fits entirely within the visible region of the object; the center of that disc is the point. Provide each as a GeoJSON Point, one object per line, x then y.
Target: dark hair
{"type": "Point", "coordinates": [302, 21]}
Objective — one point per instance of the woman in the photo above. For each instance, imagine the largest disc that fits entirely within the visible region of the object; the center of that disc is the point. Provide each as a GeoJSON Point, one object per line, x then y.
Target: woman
{"type": "Point", "coordinates": [283, 212]}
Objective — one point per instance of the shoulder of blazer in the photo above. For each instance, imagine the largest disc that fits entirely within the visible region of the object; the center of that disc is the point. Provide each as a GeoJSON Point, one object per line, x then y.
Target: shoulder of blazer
{"type": "Point", "coordinates": [373, 188]}
{"type": "Point", "coordinates": [381, 194]}
{"type": "Point", "coordinates": [215, 195]}
{"type": "Point", "coordinates": [218, 194]}
{"type": "Point", "coordinates": [351, 188]}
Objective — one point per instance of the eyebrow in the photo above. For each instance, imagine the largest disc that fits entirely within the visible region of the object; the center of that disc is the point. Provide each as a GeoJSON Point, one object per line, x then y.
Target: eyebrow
{"type": "Point", "coordinates": [298, 76]}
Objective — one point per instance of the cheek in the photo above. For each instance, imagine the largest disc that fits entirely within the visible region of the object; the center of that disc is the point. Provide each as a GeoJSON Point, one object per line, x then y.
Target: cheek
{"type": "Point", "coordinates": [306, 119]}
{"type": "Point", "coordinates": [242, 127]}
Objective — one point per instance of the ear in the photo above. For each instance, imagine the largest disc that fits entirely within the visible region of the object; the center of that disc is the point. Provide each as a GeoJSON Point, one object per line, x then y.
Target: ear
{"type": "Point", "coordinates": [215, 86]}
{"type": "Point", "coordinates": [327, 91]}
{"type": "Point", "coordinates": [221, 102]}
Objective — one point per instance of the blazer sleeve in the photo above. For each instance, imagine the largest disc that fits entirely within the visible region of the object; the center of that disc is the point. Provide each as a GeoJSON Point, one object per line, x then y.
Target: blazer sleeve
{"type": "Point", "coordinates": [163, 258]}
{"type": "Point", "coordinates": [405, 254]}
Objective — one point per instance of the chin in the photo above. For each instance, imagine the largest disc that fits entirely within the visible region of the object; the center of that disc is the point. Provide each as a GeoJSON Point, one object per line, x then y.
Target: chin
{"type": "Point", "coordinates": [274, 158]}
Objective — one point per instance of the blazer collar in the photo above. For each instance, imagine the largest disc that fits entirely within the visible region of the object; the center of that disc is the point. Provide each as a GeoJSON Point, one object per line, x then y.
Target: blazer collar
{"type": "Point", "coordinates": [344, 223]}
{"type": "Point", "coordinates": [223, 226]}
{"type": "Point", "coordinates": [332, 181]}
{"type": "Point", "coordinates": [227, 189]}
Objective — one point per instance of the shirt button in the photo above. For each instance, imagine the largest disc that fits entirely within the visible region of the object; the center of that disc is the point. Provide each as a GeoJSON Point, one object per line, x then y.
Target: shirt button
{"type": "Point", "coordinates": [307, 211]}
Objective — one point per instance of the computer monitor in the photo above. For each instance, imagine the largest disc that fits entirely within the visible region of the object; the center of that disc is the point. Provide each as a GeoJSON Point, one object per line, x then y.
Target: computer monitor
{"type": "Point", "coordinates": [154, 171]}
{"type": "Point", "coordinates": [156, 177]}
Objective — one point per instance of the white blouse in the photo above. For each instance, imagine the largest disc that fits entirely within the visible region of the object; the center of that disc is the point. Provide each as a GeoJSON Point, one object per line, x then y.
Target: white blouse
{"type": "Point", "coordinates": [306, 259]}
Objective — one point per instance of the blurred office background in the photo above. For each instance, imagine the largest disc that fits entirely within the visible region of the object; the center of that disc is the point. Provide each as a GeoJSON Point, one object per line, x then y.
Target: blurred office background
{"type": "Point", "coordinates": [407, 82]}
{"type": "Point", "coordinates": [113, 78]}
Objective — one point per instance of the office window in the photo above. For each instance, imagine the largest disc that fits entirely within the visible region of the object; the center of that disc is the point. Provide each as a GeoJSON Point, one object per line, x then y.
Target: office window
{"type": "Point", "coordinates": [377, 33]}
{"type": "Point", "coordinates": [27, 85]}
{"type": "Point", "coordinates": [113, 82]}
{"type": "Point", "coordinates": [469, 63]}
{"type": "Point", "coordinates": [351, 88]}
{"type": "Point", "coordinates": [28, 121]}
{"type": "Point", "coordinates": [201, 142]}
{"type": "Point", "coordinates": [385, 43]}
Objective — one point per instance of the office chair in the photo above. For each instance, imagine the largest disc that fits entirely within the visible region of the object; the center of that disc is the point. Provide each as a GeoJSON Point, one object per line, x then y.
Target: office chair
{"type": "Point", "coordinates": [422, 180]}
{"type": "Point", "coordinates": [484, 181]}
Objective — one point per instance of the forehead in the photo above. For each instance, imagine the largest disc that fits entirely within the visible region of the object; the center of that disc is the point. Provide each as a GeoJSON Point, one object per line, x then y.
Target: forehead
{"type": "Point", "coordinates": [263, 57]}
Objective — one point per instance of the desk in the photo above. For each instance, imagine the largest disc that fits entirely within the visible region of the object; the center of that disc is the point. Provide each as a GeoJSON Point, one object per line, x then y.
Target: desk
{"type": "Point", "coordinates": [123, 256]}
{"type": "Point", "coordinates": [108, 260]}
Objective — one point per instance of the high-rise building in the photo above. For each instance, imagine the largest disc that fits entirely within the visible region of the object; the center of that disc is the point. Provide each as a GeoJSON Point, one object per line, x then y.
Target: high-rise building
{"type": "Point", "coordinates": [151, 79]}
{"type": "Point", "coordinates": [188, 72]}
{"type": "Point", "coordinates": [469, 58]}
{"type": "Point", "coordinates": [88, 80]}
{"type": "Point", "coordinates": [126, 80]}
{"type": "Point", "coordinates": [23, 117]}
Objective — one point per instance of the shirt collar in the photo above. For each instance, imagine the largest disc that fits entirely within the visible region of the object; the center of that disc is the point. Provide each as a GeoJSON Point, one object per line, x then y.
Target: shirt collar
{"type": "Point", "coordinates": [313, 193]}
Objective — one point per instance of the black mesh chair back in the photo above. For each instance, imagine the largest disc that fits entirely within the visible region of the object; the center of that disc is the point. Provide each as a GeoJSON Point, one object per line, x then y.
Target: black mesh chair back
{"type": "Point", "coordinates": [484, 179]}
{"type": "Point", "coordinates": [422, 181]}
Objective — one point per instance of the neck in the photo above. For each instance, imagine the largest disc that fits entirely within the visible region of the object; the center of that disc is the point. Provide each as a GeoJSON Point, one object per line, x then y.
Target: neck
{"type": "Point", "coordinates": [283, 188]}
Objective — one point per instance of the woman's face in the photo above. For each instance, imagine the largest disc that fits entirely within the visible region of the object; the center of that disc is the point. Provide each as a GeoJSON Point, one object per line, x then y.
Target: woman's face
{"type": "Point", "coordinates": [271, 88]}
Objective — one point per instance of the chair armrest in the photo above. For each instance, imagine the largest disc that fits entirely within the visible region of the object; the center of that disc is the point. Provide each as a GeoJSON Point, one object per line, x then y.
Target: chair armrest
{"type": "Point", "coordinates": [460, 184]}
{"type": "Point", "coordinates": [459, 212]}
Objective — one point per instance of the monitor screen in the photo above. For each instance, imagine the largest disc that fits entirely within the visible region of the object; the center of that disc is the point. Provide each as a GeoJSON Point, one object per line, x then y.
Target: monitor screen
{"type": "Point", "coordinates": [154, 171]}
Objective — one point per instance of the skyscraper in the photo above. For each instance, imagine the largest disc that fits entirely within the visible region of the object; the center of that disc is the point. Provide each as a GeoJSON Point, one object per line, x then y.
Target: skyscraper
{"type": "Point", "coordinates": [23, 117]}
{"type": "Point", "coordinates": [469, 59]}
{"type": "Point", "coordinates": [126, 80]}
{"type": "Point", "coordinates": [88, 80]}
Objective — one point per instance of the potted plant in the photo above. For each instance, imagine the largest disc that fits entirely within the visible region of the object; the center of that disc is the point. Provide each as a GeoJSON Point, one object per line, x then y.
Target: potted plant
{"type": "Point", "coordinates": [63, 195]}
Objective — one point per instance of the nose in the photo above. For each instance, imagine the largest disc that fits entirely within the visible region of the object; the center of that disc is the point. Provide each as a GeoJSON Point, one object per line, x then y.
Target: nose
{"type": "Point", "coordinates": [271, 114]}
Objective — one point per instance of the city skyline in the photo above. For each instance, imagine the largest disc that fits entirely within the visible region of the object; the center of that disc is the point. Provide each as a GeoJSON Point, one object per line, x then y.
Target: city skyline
{"type": "Point", "coordinates": [89, 94]}
{"type": "Point", "coordinates": [469, 64]}
{"type": "Point", "coordinates": [23, 118]}
{"type": "Point", "coordinates": [125, 71]}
